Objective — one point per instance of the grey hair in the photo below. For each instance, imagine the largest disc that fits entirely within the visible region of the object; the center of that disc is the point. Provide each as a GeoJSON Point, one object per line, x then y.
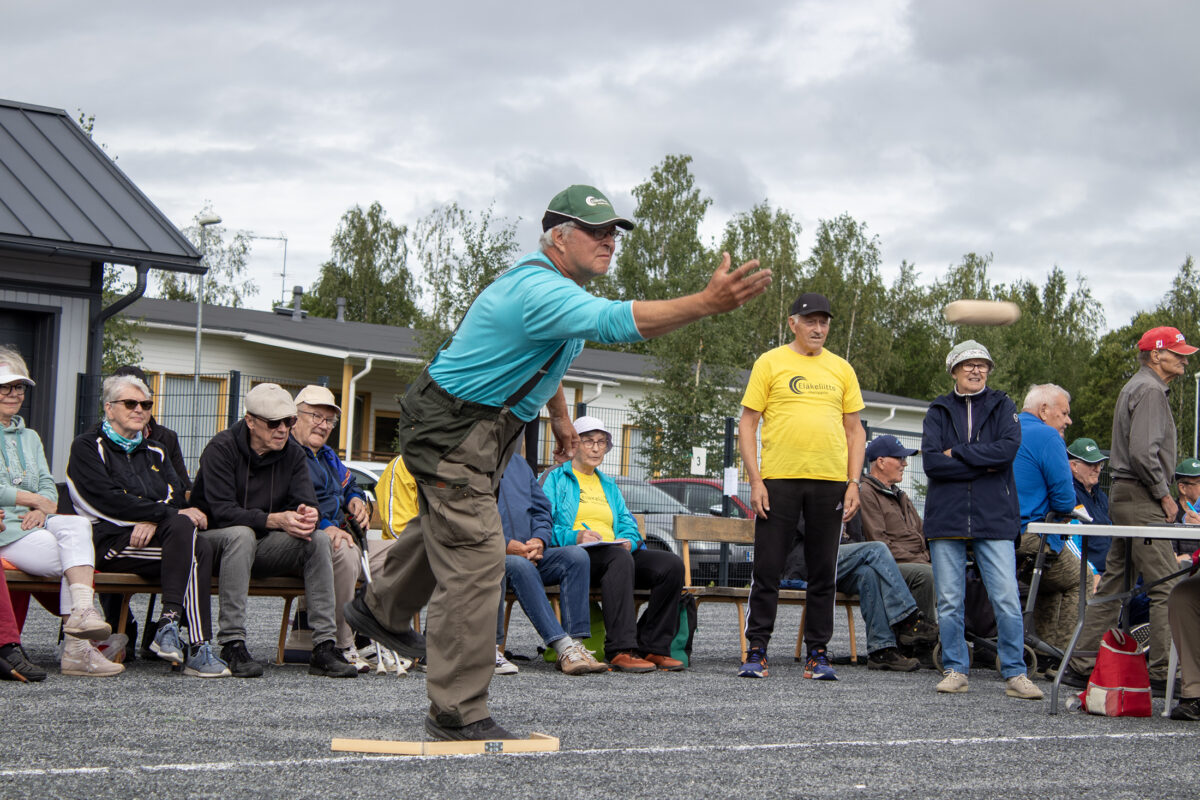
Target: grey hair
{"type": "Point", "coordinates": [1043, 394]}
{"type": "Point", "coordinates": [12, 358]}
{"type": "Point", "coordinates": [1144, 357]}
{"type": "Point", "coordinates": [115, 383]}
{"type": "Point", "coordinates": [546, 240]}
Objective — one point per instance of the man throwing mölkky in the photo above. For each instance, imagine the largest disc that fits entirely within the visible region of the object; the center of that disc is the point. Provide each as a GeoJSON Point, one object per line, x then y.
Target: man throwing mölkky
{"type": "Point", "coordinates": [459, 424]}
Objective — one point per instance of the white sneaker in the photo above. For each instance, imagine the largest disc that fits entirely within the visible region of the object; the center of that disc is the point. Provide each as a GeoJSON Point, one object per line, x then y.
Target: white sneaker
{"type": "Point", "coordinates": [503, 665]}
{"type": "Point", "coordinates": [86, 623]}
{"type": "Point", "coordinates": [352, 657]}
{"type": "Point", "coordinates": [80, 657]}
{"type": "Point", "coordinates": [1020, 686]}
{"type": "Point", "coordinates": [953, 682]}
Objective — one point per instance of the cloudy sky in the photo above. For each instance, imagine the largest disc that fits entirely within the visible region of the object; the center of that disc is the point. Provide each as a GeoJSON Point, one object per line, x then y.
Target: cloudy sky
{"type": "Point", "coordinates": [1043, 132]}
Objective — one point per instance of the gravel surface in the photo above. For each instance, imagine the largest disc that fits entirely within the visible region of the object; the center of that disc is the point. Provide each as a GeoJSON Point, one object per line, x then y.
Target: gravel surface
{"type": "Point", "coordinates": [701, 733]}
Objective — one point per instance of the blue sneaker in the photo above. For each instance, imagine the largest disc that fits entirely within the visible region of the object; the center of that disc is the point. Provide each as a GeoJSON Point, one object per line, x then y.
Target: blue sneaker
{"type": "Point", "coordinates": [167, 645]}
{"type": "Point", "coordinates": [756, 664]}
{"type": "Point", "coordinates": [817, 666]}
{"type": "Point", "coordinates": [204, 664]}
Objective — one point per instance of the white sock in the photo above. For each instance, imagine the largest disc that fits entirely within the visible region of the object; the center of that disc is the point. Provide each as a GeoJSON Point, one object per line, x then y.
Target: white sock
{"type": "Point", "coordinates": [75, 647]}
{"type": "Point", "coordinates": [82, 595]}
{"type": "Point", "coordinates": [562, 644]}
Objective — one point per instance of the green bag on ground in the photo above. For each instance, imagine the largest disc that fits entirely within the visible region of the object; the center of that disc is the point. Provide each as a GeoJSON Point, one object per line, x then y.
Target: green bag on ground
{"type": "Point", "coordinates": [595, 642]}
{"type": "Point", "coordinates": [681, 644]}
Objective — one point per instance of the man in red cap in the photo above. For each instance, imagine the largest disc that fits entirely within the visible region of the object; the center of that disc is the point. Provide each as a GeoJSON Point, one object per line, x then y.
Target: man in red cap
{"type": "Point", "coordinates": [1143, 465]}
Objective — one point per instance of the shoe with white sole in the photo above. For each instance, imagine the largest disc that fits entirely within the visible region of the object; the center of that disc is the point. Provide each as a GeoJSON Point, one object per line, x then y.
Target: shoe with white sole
{"type": "Point", "coordinates": [953, 682]}
{"type": "Point", "coordinates": [1021, 687]}
{"type": "Point", "coordinates": [80, 657]}
{"type": "Point", "coordinates": [87, 623]}
{"type": "Point", "coordinates": [503, 665]}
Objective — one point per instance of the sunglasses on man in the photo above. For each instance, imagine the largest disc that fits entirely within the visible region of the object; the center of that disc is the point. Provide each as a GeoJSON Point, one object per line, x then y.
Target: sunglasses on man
{"type": "Point", "coordinates": [287, 422]}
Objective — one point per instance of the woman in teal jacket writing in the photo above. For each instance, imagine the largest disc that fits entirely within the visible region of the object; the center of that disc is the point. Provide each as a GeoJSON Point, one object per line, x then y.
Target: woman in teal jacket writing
{"type": "Point", "coordinates": [590, 511]}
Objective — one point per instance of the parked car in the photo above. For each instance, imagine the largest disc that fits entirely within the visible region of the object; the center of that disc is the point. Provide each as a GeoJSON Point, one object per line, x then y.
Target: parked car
{"type": "Point", "coordinates": [705, 496]}
{"type": "Point", "coordinates": [660, 509]}
{"type": "Point", "coordinates": [366, 475]}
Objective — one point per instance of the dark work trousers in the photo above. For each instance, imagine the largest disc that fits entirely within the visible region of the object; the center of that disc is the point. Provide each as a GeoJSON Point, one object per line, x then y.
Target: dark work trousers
{"type": "Point", "coordinates": [816, 507]}
{"type": "Point", "coordinates": [451, 555]}
{"type": "Point", "coordinates": [182, 562]}
{"type": "Point", "coordinates": [618, 572]}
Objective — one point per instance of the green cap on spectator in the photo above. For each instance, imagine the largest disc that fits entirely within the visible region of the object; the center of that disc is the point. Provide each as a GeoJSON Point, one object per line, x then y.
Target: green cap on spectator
{"type": "Point", "coordinates": [1188, 468]}
{"type": "Point", "coordinates": [1086, 450]}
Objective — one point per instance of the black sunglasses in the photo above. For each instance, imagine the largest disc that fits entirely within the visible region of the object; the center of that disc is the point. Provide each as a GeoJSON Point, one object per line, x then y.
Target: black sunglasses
{"type": "Point", "coordinates": [130, 405]}
{"type": "Point", "coordinates": [287, 422]}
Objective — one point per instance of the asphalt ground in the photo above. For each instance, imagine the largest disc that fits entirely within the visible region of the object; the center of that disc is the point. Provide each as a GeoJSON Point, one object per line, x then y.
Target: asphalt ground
{"type": "Point", "coordinates": [701, 733]}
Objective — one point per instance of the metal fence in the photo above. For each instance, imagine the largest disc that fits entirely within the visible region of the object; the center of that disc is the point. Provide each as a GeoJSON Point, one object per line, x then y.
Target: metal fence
{"type": "Point", "coordinates": [195, 407]}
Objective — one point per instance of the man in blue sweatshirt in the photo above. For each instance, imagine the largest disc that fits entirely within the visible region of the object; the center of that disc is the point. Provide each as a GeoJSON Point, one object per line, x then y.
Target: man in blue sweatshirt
{"type": "Point", "coordinates": [531, 564]}
{"type": "Point", "coordinates": [1045, 484]}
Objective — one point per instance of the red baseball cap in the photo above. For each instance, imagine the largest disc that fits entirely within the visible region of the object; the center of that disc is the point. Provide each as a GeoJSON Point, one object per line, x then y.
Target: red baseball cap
{"type": "Point", "coordinates": [1166, 338]}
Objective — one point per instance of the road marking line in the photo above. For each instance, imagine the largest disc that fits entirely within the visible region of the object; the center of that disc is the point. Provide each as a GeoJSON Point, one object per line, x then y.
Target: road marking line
{"type": "Point", "coordinates": [229, 766]}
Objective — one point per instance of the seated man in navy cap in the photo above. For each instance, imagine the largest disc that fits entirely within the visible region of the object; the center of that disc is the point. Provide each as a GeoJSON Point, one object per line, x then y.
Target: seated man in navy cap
{"type": "Point", "coordinates": [889, 516]}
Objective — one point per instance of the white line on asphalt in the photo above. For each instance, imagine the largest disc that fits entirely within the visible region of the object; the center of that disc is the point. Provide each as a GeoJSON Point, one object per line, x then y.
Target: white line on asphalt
{"type": "Point", "coordinates": [230, 766]}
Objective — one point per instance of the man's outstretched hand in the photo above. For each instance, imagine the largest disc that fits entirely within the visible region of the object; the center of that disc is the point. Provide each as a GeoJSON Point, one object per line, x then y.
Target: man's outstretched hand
{"type": "Point", "coordinates": [729, 289]}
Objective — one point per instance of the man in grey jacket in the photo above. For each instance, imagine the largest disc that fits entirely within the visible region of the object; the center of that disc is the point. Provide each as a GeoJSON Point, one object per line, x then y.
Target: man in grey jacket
{"type": "Point", "coordinates": [1143, 464]}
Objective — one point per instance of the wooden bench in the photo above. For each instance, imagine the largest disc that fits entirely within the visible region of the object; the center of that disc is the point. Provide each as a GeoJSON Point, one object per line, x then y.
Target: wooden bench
{"type": "Point", "coordinates": [128, 584]}
{"type": "Point", "coordinates": [689, 529]}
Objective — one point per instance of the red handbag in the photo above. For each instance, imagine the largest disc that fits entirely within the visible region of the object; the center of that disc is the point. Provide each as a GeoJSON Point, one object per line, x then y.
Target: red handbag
{"type": "Point", "coordinates": [1120, 683]}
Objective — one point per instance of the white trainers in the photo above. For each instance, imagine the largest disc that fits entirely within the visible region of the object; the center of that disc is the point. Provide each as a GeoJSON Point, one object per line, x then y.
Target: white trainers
{"type": "Point", "coordinates": [358, 662]}
{"type": "Point", "coordinates": [953, 682]}
{"type": "Point", "coordinates": [86, 623]}
{"type": "Point", "coordinates": [80, 657]}
{"type": "Point", "coordinates": [1020, 686]}
{"type": "Point", "coordinates": [503, 665]}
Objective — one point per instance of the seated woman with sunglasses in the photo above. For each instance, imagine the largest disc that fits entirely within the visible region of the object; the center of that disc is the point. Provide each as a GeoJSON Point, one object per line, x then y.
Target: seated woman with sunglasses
{"type": "Point", "coordinates": [124, 484]}
{"type": "Point", "coordinates": [590, 511]}
{"type": "Point", "coordinates": [39, 541]}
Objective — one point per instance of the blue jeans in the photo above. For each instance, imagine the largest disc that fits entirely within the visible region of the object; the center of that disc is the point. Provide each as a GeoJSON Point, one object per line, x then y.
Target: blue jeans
{"type": "Point", "coordinates": [570, 568]}
{"type": "Point", "coordinates": [997, 563]}
{"type": "Point", "coordinates": [869, 570]}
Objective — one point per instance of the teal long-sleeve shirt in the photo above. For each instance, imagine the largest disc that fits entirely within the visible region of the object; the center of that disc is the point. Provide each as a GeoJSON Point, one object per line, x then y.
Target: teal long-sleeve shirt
{"type": "Point", "coordinates": [515, 325]}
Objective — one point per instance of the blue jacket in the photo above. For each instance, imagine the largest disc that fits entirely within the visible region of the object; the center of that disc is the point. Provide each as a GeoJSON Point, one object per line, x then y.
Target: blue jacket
{"type": "Point", "coordinates": [1044, 479]}
{"type": "Point", "coordinates": [562, 487]}
{"type": "Point", "coordinates": [972, 494]}
{"type": "Point", "coordinates": [1096, 503]}
{"type": "Point", "coordinates": [334, 485]}
{"type": "Point", "coordinates": [524, 508]}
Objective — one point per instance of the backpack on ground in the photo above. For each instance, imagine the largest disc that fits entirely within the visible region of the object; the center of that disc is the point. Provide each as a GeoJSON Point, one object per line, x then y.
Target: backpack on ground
{"type": "Point", "coordinates": [1120, 683]}
{"type": "Point", "coordinates": [681, 644]}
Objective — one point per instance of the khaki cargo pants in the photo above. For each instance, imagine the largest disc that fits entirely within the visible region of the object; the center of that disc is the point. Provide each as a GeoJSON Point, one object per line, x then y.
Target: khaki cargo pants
{"type": "Point", "coordinates": [451, 556]}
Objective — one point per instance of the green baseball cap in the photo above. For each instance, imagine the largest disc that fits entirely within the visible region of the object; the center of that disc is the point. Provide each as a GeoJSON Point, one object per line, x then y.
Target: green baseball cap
{"type": "Point", "coordinates": [585, 205]}
{"type": "Point", "coordinates": [1086, 450]}
{"type": "Point", "coordinates": [1188, 468]}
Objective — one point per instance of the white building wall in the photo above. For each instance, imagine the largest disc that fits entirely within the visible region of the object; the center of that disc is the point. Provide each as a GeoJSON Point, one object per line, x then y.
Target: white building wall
{"type": "Point", "coordinates": [72, 360]}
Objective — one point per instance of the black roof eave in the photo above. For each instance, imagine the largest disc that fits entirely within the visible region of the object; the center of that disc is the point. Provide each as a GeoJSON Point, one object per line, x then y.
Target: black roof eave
{"type": "Point", "coordinates": [111, 255]}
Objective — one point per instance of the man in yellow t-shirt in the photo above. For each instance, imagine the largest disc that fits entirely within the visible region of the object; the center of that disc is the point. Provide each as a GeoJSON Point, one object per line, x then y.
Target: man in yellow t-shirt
{"type": "Point", "coordinates": [807, 400]}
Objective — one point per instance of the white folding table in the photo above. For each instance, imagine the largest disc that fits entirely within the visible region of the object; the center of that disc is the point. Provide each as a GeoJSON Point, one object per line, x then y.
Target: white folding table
{"type": "Point", "coordinates": [1163, 531]}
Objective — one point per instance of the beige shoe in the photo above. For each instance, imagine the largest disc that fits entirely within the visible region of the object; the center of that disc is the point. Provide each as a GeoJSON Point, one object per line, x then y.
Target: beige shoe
{"type": "Point", "coordinates": [86, 623]}
{"type": "Point", "coordinates": [80, 657]}
{"type": "Point", "coordinates": [954, 682]}
{"type": "Point", "coordinates": [576, 660]}
{"type": "Point", "coordinates": [1020, 686]}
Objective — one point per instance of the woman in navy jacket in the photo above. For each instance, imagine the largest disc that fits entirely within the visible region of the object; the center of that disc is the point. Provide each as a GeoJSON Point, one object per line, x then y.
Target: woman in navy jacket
{"type": "Point", "coordinates": [970, 439]}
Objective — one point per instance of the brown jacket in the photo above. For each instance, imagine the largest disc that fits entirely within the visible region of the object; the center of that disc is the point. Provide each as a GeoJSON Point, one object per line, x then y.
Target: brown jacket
{"type": "Point", "coordinates": [888, 516]}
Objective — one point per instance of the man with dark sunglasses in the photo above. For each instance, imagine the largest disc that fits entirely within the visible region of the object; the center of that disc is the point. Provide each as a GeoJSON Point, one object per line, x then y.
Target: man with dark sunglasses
{"type": "Point", "coordinates": [253, 484]}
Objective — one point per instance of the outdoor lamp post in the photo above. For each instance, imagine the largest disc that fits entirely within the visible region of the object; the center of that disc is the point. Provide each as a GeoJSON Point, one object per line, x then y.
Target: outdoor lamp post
{"type": "Point", "coordinates": [203, 221]}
